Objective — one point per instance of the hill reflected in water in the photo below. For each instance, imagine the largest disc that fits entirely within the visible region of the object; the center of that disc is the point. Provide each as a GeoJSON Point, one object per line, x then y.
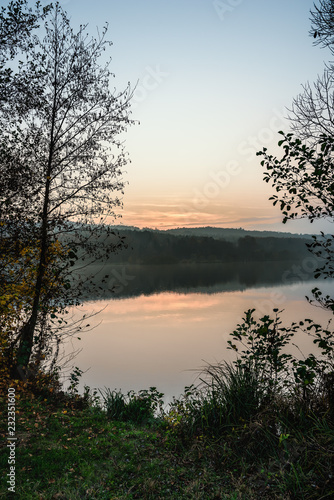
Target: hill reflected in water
{"type": "Point", "coordinates": [123, 281]}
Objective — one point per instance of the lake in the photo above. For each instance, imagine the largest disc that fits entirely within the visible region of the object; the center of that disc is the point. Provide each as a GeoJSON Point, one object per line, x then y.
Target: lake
{"type": "Point", "coordinates": [162, 324]}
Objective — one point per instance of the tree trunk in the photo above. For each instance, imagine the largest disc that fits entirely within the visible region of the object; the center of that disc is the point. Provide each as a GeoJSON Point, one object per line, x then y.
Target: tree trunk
{"type": "Point", "coordinates": [27, 332]}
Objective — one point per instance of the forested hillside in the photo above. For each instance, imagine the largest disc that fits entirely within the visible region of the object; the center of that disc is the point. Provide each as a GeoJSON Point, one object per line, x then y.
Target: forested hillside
{"type": "Point", "coordinates": [164, 247]}
{"type": "Point", "coordinates": [231, 234]}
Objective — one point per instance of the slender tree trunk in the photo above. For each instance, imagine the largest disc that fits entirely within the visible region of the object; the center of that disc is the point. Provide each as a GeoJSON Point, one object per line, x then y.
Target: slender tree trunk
{"type": "Point", "coordinates": [27, 332]}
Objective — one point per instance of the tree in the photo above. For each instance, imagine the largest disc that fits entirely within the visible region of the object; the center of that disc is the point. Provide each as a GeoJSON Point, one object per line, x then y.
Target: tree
{"type": "Point", "coordinates": [61, 157]}
{"type": "Point", "coordinates": [312, 112]}
{"type": "Point", "coordinates": [322, 28]}
{"type": "Point", "coordinates": [304, 181]}
{"type": "Point", "coordinates": [304, 176]}
{"type": "Point", "coordinates": [17, 23]}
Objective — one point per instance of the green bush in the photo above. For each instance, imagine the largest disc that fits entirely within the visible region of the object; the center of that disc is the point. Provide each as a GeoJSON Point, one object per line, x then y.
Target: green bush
{"type": "Point", "coordinates": [132, 407]}
{"type": "Point", "coordinates": [264, 385]}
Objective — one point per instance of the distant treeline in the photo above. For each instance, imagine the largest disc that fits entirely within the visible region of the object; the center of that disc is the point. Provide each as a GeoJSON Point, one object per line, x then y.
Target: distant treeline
{"type": "Point", "coordinates": [230, 234]}
{"type": "Point", "coordinates": [162, 247]}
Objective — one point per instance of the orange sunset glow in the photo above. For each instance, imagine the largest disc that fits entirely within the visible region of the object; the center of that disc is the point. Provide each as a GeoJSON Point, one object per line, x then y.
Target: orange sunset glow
{"type": "Point", "coordinates": [165, 216]}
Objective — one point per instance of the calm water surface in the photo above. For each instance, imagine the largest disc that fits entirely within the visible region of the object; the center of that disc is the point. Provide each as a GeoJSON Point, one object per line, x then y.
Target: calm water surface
{"type": "Point", "coordinates": [164, 338]}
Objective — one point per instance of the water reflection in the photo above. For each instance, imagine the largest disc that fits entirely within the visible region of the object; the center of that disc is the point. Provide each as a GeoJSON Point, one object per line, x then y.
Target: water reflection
{"type": "Point", "coordinates": [157, 340]}
{"type": "Point", "coordinates": [120, 281]}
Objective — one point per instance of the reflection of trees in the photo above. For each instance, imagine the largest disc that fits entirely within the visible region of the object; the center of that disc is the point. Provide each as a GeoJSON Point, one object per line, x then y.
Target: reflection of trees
{"type": "Point", "coordinates": [189, 278]}
{"type": "Point", "coordinates": [249, 275]}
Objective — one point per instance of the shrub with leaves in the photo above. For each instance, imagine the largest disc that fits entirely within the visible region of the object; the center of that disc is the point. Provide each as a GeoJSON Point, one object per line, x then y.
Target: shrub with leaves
{"type": "Point", "coordinates": [261, 350]}
{"type": "Point", "coordinates": [132, 407]}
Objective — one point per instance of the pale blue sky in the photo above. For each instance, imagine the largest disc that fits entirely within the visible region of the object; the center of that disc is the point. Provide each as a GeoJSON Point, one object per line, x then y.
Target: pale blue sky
{"type": "Point", "coordinates": [213, 78]}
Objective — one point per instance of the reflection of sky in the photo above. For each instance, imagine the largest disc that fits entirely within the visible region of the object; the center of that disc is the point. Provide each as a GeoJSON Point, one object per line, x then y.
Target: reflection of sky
{"type": "Point", "coordinates": [212, 88]}
{"type": "Point", "coordinates": [158, 340]}
{"type": "Point", "coordinates": [169, 306]}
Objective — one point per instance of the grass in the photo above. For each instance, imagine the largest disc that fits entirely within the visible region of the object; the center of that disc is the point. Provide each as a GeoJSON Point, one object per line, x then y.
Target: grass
{"type": "Point", "coordinates": [69, 447]}
{"type": "Point", "coordinates": [66, 452]}
{"type": "Point", "coordinates": [281, 445]}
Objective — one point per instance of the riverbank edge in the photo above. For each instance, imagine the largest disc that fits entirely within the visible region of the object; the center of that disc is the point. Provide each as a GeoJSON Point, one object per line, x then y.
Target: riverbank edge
{"type": "Point", "coordinates": [68, 448]}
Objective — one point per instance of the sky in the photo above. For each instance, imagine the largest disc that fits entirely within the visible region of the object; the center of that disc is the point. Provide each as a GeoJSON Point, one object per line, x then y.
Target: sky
{"type": "Point", "coordinates": [212, 83]}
